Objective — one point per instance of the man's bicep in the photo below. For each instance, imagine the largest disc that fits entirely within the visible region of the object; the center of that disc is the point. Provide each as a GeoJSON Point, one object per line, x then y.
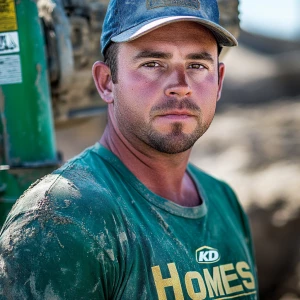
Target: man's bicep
{"type": "Point", "coordinates": [52, 259]}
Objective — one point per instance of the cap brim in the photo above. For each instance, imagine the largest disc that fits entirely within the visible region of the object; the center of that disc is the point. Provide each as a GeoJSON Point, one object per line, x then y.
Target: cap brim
{"type": "Point", "coordinates": [224, 38]}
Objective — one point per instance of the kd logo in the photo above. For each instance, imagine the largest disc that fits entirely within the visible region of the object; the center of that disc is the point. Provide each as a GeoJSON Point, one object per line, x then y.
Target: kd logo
{"type": "Point", "coordinates": [207, 254]}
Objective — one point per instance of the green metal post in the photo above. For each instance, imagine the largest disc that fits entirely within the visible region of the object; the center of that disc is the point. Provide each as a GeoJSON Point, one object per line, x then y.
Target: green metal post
{"type": "Point", "coordinates": [28, 139]}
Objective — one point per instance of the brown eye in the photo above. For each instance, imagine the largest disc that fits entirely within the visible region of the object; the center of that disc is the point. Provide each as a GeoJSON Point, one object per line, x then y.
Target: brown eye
{"type": "Point", "coordinates": [196, 66]}
{"type": "Point", "coordinates": [151, 64]}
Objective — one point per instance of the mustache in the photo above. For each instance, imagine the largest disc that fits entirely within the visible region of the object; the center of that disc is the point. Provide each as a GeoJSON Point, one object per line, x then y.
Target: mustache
{"type": "Point", "coordinates": [174, 104]}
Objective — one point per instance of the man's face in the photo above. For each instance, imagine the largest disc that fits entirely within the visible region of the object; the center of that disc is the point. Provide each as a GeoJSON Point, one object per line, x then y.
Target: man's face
{"type": "Point", "coordinates": [167, 88]}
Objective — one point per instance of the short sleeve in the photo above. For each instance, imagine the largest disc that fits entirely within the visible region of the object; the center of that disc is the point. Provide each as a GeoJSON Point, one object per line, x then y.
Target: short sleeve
{"type": "Point", "coordinates": [53, 259]}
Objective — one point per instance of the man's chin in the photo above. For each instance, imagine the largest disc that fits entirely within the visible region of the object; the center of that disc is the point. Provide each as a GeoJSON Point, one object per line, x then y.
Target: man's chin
{"type": "Point", "coordinates": [172, 144]}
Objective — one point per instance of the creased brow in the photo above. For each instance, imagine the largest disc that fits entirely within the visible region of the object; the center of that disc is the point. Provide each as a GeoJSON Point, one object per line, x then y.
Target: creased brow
{"type": "Point", "coordinates": [200, 56]}
{"type": "Point", "coordinates": [152, 54]}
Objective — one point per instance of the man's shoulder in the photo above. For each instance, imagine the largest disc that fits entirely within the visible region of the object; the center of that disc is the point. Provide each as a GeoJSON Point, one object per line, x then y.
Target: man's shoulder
{"type": "Point", "coordinates": [74, 190]}
{"type": "Point", "coordinates": [62, 222]}
{"type": "Point", "coordinates": [220, 194]}
{"type": "Point", "coordinates": [214, 187]}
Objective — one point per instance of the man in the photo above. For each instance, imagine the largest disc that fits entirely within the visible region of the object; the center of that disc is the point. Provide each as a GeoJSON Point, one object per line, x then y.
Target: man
{"type": "Point", "coordinates": [129, 218]}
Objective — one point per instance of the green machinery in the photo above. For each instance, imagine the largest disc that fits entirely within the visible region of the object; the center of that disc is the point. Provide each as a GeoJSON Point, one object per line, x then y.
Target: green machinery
{"type": "Point", "coordinates": [47, 48]}
{"type": "Point", "coordinates": [28, 148]}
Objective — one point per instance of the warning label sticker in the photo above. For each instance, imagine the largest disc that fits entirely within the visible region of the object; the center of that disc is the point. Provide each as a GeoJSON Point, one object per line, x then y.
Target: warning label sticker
{"type": "Point", "coordinates": [8, 19]}
{"type": "Point", "coordinates": [9, 42]}
{"type": "Point", "coordinates": [10, 69]}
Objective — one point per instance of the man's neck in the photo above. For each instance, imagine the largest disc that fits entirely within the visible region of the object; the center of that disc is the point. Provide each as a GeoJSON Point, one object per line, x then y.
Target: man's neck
{"type": "Point", "coordinates": [164, 174]}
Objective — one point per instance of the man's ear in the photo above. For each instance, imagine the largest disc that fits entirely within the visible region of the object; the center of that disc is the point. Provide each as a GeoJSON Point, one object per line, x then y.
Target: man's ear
{"type": "Point", "coordinates": [221, 79]}
{"type": "Point", "coordinates": [103, 81]}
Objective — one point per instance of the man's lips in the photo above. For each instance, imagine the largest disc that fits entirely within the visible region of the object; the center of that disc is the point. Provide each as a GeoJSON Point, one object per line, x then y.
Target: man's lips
{"type": "Point", "coordinates": [176, 114]}
{"type": "Point", "coordinates": [173, 108]}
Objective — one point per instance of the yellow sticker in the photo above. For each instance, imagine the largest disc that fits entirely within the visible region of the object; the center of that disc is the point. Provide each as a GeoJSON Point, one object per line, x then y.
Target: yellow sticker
{"type": "Point", "coordinates": [8, 19]}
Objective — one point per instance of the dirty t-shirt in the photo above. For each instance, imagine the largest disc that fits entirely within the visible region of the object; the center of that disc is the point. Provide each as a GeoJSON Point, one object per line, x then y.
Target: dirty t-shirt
{"type": "Point", "coordinates": [92, 230]}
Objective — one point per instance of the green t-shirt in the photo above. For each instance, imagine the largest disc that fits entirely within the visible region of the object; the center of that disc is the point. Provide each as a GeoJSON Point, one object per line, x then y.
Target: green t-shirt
{"type": "Point", "coordinates": [92, 230]}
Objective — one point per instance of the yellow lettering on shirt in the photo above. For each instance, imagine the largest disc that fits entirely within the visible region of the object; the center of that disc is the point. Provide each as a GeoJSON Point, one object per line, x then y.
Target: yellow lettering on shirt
{"type": "Point", "coordinates": [229, 277]}
{"type": "Point", "coordinates": [209, 283]}
{"type": "Point", "coordinates": [242, 268]}
{"type": "Point", "coordinates": [214, 284]}
{"type": "Point", "coordinates": [173, 281]}
{"type": "Point", "coordinates": [189, 276]}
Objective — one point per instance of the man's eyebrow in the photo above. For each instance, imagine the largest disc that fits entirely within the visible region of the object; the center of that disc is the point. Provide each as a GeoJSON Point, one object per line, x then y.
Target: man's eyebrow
{"type": "Point", "coordinates": [163, 55]}
{"type": "Point", "coordinates": [200, 56]}
{"type": "Point", "coordinates": [152, 54]}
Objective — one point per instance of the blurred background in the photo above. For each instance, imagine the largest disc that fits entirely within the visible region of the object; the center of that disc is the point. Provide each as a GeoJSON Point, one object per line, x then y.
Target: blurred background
{"type": "Point", "coordinates": [253, 142]}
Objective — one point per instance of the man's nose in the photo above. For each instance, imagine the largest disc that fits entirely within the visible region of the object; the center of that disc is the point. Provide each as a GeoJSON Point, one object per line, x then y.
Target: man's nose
{"type": "Point", "coordinates": [178, 85]}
